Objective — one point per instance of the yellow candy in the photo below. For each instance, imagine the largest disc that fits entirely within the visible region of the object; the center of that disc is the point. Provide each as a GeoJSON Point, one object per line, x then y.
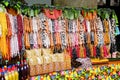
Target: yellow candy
{"type": "Point", "coordinates": [98, 69]}
{"type": "Point", "coordinates": [114, 72]}
{"type": "Point", "coordinates": [71, 75]}
{"type": "Point", "coordinates": [36, 78]}
{"type": "Point", "coordinates": [75, 73]}
{"type": "Point", "coordinates": [54, 73]}
{"type": "Point", "coordinates": [91, 71]}
{"type": "Point", "coordinates": [92, 77]}
{"type": "Point", "coordinates": [82, 77]}
{"type": "Point", "coordinates": [66, 75]}
{"type": "Point", "coordinates": [42, 78]}
{"type": "Point", "coordinates": [48, 77]}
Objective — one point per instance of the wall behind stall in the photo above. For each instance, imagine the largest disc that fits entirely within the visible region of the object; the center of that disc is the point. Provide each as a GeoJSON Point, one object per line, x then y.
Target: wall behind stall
{"type": "Point", "coordinates": [30, 2]}
{"type": "Point", "coordinates": [76, 3]}
{"type": "Point", "coordinates": [71, 3]}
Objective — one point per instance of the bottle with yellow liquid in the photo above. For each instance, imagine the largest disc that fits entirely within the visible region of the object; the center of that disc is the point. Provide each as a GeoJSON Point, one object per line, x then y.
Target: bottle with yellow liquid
{"type": "Point", "coordinates": [13, 75]}
{"type": "Point", "coordinates": [6, 76]}
{"type": "Point", "coordinates": [9, 74]}
{"type": "Point", "coordinates": [16, 74]}
{"type": "Point", "coordinates": [0, 73]}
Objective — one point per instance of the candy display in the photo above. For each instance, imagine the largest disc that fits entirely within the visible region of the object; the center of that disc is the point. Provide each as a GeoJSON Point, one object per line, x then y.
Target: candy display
{"type": "Point", "coordinates": [56, 43]}
{"type": "Point", "coordinates": [110, 72]}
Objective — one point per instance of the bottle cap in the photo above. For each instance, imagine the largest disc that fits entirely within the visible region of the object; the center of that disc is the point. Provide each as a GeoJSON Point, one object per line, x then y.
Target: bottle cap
{"type": "Point", "coordinates": [9, 69]}
{"type": "Point", "coordinates": [13, 67]}
{"type": "Point", "coordinates": [5, 66]}
{"type": "Point", "coordinates": [6, 61]}
{"type": "Point", "coordinates": [18, 62]}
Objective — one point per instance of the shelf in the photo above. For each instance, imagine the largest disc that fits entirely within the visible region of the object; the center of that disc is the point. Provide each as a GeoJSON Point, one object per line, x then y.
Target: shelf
{"type": "Point", "coordinates": [111, 61]}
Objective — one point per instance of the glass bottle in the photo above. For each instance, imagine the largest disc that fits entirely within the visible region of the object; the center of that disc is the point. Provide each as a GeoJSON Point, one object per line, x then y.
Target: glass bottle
{"type": "Point", "coordinates": [2, 76]}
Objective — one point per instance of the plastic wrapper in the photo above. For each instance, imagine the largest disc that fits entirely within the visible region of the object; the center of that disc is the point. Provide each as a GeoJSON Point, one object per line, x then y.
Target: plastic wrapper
{"type": "Point", "coordinates": [30, 53]}
{"type": "Point", "coordinates": [46, 51]}
{"type": "Point", "coordinates": [60, 57]}
{"type": "Point", "coordinates": [39, 60]}
{"type": "Point", "coordinates": [32, 61]}
{"type": "Point", "coordinates": [39, 67]}
{"type": "Point", "coordinates": [47, 59]}
{"type": "Point", "coordinates": [86, 62]}
{"type": "Point", "coordinates": [37, 52]}
{"type": "Point", "coordinates": [54, 58]}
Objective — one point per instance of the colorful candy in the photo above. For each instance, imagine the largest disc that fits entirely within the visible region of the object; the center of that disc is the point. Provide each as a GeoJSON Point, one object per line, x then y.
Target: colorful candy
{"type": "Point", "coordinates": [96, 73]}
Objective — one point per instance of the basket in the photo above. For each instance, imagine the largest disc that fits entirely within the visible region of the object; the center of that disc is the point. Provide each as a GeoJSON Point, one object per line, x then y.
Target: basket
{"type": "Point", "coordinates": [45, 68]}
{"type": "Point", "coordinates": [57, 66]}
{"type": "Point", "coordinates": [32, 70]}
{"type": "Point", "coordinates": [68, 61]}
{"type": "Point", "coordinates": [51, 67]}
{"type": "Point", "coordinates": [68, 64]}
{"type": "Point", "coordinates": [39, 69]}
{"type": "Point", "coordinates": [63, 65]}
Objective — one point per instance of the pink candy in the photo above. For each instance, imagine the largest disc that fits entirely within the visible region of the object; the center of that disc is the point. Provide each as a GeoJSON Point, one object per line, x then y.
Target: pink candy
{"type": "Point", "coordinates": [119, 73]}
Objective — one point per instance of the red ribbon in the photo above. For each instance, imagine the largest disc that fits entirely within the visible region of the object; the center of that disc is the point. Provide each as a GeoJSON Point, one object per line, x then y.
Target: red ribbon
{"type": "Point", "coordinates": [105, 51]}
{"type": "Point", "coordinates": [77, 50]}
{"type": "Point", "coordinates": [94, 51]}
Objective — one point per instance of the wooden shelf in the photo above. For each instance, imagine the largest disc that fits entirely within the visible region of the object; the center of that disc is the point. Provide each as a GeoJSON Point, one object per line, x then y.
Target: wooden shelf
{"type": "Point", "coordinates": [114, 62]}
{"type": "Point", "coordinates": [107, 63]}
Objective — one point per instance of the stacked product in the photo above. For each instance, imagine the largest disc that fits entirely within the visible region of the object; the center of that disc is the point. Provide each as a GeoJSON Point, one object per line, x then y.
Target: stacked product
{"type": "Point", "coordinates": [43, 61]}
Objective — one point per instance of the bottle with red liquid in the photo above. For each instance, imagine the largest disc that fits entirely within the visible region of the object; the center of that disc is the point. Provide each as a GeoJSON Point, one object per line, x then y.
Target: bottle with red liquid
{"type": "Point", "coordinates": [4, 69]}
{"type": "Point", "coordinates": [26, 69]}
{"type": "Point", "coordinates": [0, 73]}
{"type": "Point", "coordinates": [22, 71]}
{"type": "Point", "coordinates": [2, 76]}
